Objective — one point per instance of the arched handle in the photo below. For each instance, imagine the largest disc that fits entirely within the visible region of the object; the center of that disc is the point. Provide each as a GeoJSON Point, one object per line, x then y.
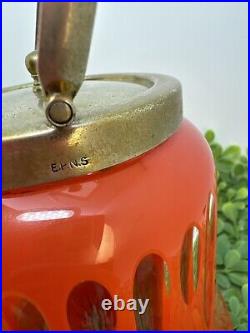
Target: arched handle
{"type": "Point", "coordinates": [63, 38]}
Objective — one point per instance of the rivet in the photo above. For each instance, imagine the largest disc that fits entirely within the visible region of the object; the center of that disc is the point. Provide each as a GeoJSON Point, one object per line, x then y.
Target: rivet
{"type": "Point", "coordinates": [60, 113]}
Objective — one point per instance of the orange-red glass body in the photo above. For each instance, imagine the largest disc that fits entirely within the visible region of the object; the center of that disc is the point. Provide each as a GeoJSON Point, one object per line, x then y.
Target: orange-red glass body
{"type": "Point", "coordinates": [126, 231]}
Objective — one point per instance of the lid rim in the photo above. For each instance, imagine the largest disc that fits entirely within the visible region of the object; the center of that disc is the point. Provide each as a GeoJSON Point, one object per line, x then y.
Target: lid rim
{"type": "Point", "coordinates": [130, 130]}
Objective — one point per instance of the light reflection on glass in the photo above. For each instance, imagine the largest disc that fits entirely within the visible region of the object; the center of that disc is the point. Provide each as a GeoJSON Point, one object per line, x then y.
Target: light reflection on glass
{"type": "Point", "coordinates": [107, 246]}
{"type": "Point", "coordinates": [46, 215]}
{"type": "Point", "coordinates": [195, 253]}
{"type": "Point", "coordinates": [211, 210]}
{"type": "Point", "coordinates": [195, 236]}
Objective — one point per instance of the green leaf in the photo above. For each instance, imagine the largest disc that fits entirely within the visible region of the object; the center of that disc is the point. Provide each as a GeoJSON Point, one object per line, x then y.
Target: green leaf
{"type": "Point", "coordinates": [219, 259]}
{"type": "Point", "coordinates": [222, 186]}
{"type": "Point", "coordinates": [239, 169]}
{"type": "Point", "coordinates": [238, 278]}
{"type": "Point", "coordinates": [224, 166]}
{"type": "Point", "coordinates": [209, 135]}
{"type": "Point", "coordinates": [244, 291]}
{"type": "Point", "coordinates": [243, 225]}
{"type": "Point", "coordinates": [242, 247]}
{"type": "Point", "coordinates": [234, 305]}
{"type": "Point", "coordinates": [232, 152]}
{"type": "Point", "coordinates": [230, 211]}
{"type": "Point", "coordinates": [223, 281]}
{"type": "Point", "coordinates": [229, 292]}
{"type": "Point", "coordinates": [231, 193]}
{"type": "Point", "coordinates": [241, 266]}
{"type": "Point", "coordinates": [229, 229]}
{"type": "Point", "coordinates": [244, 159]}
{"type": "Point", "coordinates": [242, 327]}
{"type": "Point", "coordinates": [232, 257]}
{"type": "Point", "coordinates": [240, 205]}
{"type": "Point", "coordinates": [242, 193]}
{"type": "Point", "coordinates": [223, 245]}
{"type": "Point", "coordinates": [216, 149]}
{"type": "Point", "coordinates": [220, 226]}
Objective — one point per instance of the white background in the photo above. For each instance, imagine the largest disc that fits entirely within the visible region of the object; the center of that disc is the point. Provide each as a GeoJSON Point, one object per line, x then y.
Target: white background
{"type": "Point", "coordinates": [204, 45]}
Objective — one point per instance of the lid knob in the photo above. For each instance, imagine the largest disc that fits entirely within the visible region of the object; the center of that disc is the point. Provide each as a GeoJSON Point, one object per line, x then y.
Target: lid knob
{"type": "Point", "coordinates": [31, 64]}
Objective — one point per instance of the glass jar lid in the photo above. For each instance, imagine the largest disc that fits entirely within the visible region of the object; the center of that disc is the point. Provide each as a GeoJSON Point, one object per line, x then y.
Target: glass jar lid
{"type": "Point", "coordinates": [119, 117]}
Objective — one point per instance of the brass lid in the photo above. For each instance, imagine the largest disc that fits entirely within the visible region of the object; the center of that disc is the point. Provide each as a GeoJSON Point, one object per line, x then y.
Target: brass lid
{"type": "Point", "coordinates": [118, 117]}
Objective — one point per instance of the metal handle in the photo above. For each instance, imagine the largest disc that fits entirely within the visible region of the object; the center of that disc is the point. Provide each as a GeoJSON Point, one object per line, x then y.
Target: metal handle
{"type": "Point", "coordinates": [63, 38]}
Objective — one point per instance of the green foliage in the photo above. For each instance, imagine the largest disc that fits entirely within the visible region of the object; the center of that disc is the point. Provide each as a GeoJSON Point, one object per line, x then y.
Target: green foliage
{"type": "Point", "coordinates": [232, 243]}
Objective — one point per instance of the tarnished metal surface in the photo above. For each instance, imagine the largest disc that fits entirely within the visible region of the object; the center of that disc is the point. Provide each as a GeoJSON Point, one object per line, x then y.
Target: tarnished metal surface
{"type": "Point", "coordinates": [63, 39]}
{"type": "Point", "coordinates": [118, 117]}
{"type": "Point", "coordinates": [64, 36]}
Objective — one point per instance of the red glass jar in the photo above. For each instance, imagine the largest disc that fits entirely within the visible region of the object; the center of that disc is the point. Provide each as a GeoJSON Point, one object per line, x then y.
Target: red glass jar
{"type": "Point", "coordinates": [110, 199]}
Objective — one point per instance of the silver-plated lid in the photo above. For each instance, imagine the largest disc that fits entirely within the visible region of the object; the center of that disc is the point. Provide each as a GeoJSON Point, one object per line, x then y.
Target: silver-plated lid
{"type": "Point", "coordinates": [57, 129]}
{"type": "Point", "coordinates": [118, 117]}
